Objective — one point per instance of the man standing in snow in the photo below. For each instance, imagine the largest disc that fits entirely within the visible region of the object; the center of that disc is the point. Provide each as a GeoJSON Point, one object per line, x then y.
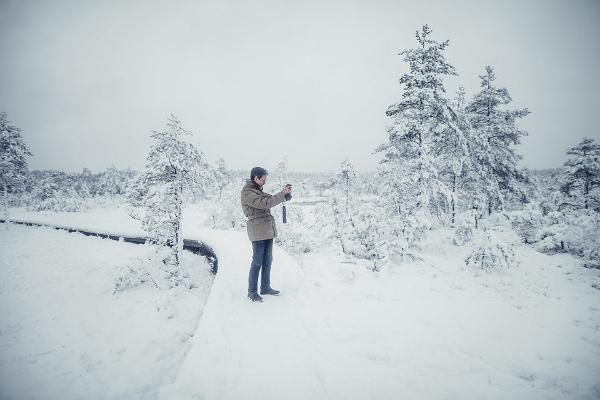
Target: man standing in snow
{"type": "Point", "coordinates": [261, 230]}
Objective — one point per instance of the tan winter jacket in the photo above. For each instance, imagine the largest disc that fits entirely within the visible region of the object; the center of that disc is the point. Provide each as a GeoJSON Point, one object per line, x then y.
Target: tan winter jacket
{"type": "Point", "coordinates": [256, 206]}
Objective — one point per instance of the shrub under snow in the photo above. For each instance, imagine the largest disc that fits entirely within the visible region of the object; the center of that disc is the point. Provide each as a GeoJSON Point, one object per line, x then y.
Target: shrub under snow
{"type": "Point", "coordinates": [492, 254]}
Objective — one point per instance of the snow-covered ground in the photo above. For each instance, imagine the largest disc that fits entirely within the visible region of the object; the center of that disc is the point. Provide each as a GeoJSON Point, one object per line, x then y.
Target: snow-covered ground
{"type": "Point", "coordinates": [65, 334]}
{"type": "Point", "coordinates": [432, 329]}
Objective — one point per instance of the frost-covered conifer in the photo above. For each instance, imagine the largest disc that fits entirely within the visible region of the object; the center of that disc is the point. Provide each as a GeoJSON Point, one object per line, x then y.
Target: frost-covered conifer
{"type": "Point", "coordinates": [281, 171]}
{"type": "Point", "coordinates": [86, 178]}
{"type": "Point", "coordinates": [222, 176]}
{"type": "Point", "coordinates": [13, 162]}
{"type": "Point", "coordinates": [409, 168]}
{"type": "Point", "coordinates": [112, 182]}
{"type": "Point", "coordinates": [491, 254]}
{"type": "Point", "coordinates": [453, 155]}
{"type": "Point", "coordinates": [495, 133]}
{"type": "Point", "coordinates": [346, 174]}
{"type": "Point", "coordinates": [362, 231]}
{"type": "Point", "coordinates": [581, 176]}
{"type": "Point", "coordinates": [173, 166]}
{"type": "Point", "coordinates": [56, 192]}
{"type": "Point", "coordinates": [44, 194]}
{"type": "Point", "coordinates": [226, 213]}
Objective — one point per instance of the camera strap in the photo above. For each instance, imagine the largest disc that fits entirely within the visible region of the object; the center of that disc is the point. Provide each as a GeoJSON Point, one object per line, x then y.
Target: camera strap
{"type": "Point", "coordinates": [284, 213]}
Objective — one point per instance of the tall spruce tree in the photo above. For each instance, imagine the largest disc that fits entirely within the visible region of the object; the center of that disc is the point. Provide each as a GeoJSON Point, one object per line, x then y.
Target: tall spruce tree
{"type": "Point", "coordinates": [173, 166]}
{"type": "Point", "coordinates": [13, 161]}
{"type": "Point", "coordinates": [409, 168]}
{"type": "Point", "coordinates": [581, 176]}
{"type": "Point", "coordinates": [495, 135]}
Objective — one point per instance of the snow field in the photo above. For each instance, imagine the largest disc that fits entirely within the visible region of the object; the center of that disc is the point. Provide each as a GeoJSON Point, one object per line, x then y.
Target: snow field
{"type": "Point", "coordinates": [64, 334]}
{"type": "Point", "coordinates": [431, 329]}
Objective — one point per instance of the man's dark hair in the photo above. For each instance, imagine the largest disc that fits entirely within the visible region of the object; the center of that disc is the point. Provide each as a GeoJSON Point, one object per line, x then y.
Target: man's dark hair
{"type": "Point", "coordinates": [257, 171]}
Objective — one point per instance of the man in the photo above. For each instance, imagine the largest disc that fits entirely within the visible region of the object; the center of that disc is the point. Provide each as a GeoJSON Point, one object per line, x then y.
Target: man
{"type": "Point", "coordinates": [261, 230]}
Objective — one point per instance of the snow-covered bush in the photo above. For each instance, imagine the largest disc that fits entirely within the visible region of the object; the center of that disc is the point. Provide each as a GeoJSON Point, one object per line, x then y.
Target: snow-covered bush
{"type": "Point", "coordinates": [406, 237]}
{"type": "Point", "coordinates": [362, 232]}
{"type": "Point", "coordinates": [527, 223]}
{"type": "Point", "coordinates": [581, 236]}
{"type": "Point", "coordinates": [550, 237]}
{"type": "Point", "coordinates": [69, 200]}
{"type": "Point", "coordinates": [574, 232]}
{"type": "Point", "coordinates": [296, 236]}
{"type": "Point", "coordinates": [130, 276]}
{"type": "Point", "coordinates": [48, 196]}
{"type": "Point", "coordinates": [491, 254]}
{"type": "Point", "coordinates": [462, 234]}
{"type": "Point", "coordinates": [295, 239]}
{"type": "Point", "coordinates": [157, 269]}
{"type": "Point", "coordinates": [225, 211]}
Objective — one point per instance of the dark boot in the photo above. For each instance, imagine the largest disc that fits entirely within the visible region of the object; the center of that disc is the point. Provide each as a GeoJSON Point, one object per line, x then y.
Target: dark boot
{"type": "Point", "coordinates": [255, 297]}
{"type": "Point", "coordinates": [270, 291]}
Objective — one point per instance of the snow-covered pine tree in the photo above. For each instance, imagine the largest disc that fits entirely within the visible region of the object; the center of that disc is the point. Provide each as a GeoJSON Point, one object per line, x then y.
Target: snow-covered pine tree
{"type": "Point", "coordinates": [222, 176]}
{"type": "Point", "coordinates": [173, 166]}
{"type": "Point", "coordinates": [495, 133]}
{"type": "Point", "coordinates": [409, 168]}
{"type": "Point", "coordinates": [86, 178]}
{"type": "Point", "coordinates": [112, 182]}
{"type": "Point", "coordinates": [13, 162]}
{"type": "Point", "coordinates": [281, 171]}
{"type": "Point", "coordinates": [453, 156]}
{"type": "Point", "coordinates": [346, 174]}
{"type": "Point", "coordinates": [581, 176]}
{"type": "Point", "coordinates": [44, 194]}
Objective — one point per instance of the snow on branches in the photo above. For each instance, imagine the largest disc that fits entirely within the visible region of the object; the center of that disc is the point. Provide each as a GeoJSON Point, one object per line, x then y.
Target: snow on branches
{"type": "Point", "coordinates": [173, 166]}
{"type": "Point", "coordinates": [581, 176]}
{"type": "Point", "coordinates": [13, 162]}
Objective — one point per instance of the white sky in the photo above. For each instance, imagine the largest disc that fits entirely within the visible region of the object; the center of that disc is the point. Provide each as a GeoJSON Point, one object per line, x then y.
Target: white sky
{"type": "Point", "coordinates": [259, 80]}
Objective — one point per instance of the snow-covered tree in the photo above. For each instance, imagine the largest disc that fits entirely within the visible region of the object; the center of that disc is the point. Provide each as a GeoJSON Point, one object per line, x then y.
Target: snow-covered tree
{"type": "Point", "coordinates": [281, 171]}
{"type": "Point", "coordinates": [44, 193]}
{"type": "Point", "coordinates": [112, 182]}
{"type": "Point", "coordinates": [495, 133]}
{"type": "Point", "coordinates": [226, 213]}
{"type": "Point", "coordinates": [156, 196]}
{"type": "Point", "coordinates": [222, 176]}
{"type": "Point", "coordinates": [581, 176]}
{"type": "Point", "coordinates": [55, 191]}
{"type": "Point", "coordinates": [453, 155]}
{"type": "Point", "coordinates": [492, 254]}
{"type": "Point", "coordinates": [362, 231]}
{"type": "Point", "coordinates": [346, 174]}
{"type": "Point", "coordinates": [13, 161]}
{"type": "Point", "coordinates": [409, 168]}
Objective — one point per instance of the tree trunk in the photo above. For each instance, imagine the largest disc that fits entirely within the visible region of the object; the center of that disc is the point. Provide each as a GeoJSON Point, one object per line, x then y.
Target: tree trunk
{"type": "Point", "coordinates": [6, 216]}
{"type": "Point", "coordinates": [179, 233]}
{"type": "Point", "coordinates": [453, 197]}
{"type": "Point", "coordinates": [586, 188]}
{"type": "Point", "coordinates": [347, 192]}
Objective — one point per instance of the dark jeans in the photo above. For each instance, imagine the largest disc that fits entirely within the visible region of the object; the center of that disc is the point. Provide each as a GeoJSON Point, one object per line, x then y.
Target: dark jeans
{"type": "Point", "coordinates": [262, 257]}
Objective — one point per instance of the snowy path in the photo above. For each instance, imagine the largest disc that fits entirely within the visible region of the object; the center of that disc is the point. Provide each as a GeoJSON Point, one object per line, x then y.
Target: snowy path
{"type": "Point", "coordinates": [245, 350]}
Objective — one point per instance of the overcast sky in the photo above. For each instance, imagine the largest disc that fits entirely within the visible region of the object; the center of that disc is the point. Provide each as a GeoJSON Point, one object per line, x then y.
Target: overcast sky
{"type": "Point", "coordinates": [259, 80]}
